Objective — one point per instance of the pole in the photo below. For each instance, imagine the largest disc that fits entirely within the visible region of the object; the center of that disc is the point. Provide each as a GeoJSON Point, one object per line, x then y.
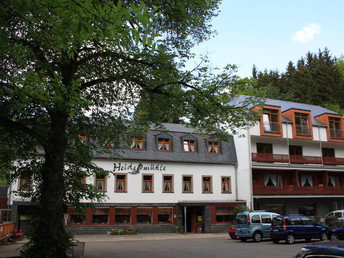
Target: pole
{"type": "Point", "coordinates": [185, 219]}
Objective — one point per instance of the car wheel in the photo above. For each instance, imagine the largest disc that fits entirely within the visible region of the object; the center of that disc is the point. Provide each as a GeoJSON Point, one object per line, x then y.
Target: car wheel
{"type": "Point", "coordinates": [243, 239]}
{"type": "Point", "coordinates": [276, 241]}
{"type": "Point", "coordinates": [290, 239]}
{"type": "Point", "coordinates": [257, 237]}
{"type": "Point", "coordinates": [323, 236]}
{"type": "Point", "coordinates": [233, 236]}
{"type": "Point", "coordinates": [308, 239]}
{"type": "Point", "coordinates": [334, 237]}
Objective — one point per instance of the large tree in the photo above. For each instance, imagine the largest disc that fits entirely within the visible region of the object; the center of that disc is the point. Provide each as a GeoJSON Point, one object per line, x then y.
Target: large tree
{"type": "Point", "coordinates": [80, 67]}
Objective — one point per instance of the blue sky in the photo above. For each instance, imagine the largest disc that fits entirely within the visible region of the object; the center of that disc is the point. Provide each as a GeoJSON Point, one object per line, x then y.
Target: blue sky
{"type": "Point", "coordinates": [270, 33]}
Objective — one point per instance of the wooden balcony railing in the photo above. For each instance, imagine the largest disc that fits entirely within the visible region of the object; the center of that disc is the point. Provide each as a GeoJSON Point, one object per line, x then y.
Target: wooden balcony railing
{"type": "Point", "coordinates": [282, 158]}
{"type": "Point", "coordinates": [333, 161]}
{"type": "Point", "coordinates": [297, 190]}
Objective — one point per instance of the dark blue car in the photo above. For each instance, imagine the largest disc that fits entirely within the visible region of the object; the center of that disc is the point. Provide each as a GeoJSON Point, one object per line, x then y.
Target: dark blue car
{"type": "Point", "coordinates": [289, 228]}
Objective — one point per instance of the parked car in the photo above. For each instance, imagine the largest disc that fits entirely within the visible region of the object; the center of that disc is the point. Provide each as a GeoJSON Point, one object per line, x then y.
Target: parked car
{"type": "Point", "coordinates": [289, 228]}
{"type": "Point", "coordinates": [231, 231]}
{"type": "Point", "coordinates": [338, 213]}
{"type": "Point", "coordinates": [336, 233]}
{"type": "Point", "coordinates": [329, 249]}
{"type": "Point", "coordinates": [254, 225]}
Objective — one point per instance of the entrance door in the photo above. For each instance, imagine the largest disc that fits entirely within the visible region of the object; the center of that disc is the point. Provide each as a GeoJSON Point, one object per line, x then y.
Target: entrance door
{"type": "Point", "coordinates": [193, 215]}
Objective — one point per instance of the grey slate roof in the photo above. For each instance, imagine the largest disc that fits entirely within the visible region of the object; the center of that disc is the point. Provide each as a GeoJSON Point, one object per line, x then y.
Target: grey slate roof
{"type": "Point", "coordinates": [177, 132]}
{"type": "Point", "coordinates": [286, 105]}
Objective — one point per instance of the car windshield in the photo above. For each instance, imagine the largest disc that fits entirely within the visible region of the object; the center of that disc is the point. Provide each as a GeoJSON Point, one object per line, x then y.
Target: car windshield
{"type": "Point", "coordinates": [241, 219]}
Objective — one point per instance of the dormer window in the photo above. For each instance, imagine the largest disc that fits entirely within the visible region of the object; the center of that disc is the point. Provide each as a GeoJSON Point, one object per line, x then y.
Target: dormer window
{"type": "Point", "coordinates": [213, 147]}
{"type": "Point", "coordinates": [164, 144]}
{"type": "Point", "coordinates": [189, 145]}
{"type": "Point", "coordinates": [271, 122]}
{"type": "Point", "coordinates": [137, 144]}
{"type": "Point", "coordinates": [335, 126]}
{"type": "Point", "coordinates": [302, 124]}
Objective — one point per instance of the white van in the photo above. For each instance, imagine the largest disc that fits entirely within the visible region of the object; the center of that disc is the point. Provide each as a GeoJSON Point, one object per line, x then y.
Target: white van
{"type": "Point", "coordinates": [339, 214]}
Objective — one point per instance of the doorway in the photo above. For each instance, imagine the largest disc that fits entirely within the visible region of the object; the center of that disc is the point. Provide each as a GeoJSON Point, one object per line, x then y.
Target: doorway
{"type": "Point", "coordinates": [194, 216]}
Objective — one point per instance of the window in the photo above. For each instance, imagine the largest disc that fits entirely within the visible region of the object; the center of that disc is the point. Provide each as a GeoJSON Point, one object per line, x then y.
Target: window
{"type": "Point", "coordinates": [264, 148]}
{"type": "Point", "coordinates": [164, 144]}
{"type": "Point", "coordinates": [214, 147]}
{"type": "Point", "coordinates": [266, 218]}
{"type": "Point", "coordinates": [101, 183]}
{"type": "Point", "coordinates": [302, 124]}
{"type": "Point", "coordinates": [76, 219]}
{"type": "Point", "coordinates": [338, 214]}
{"type": "Point", "coordinates": [109, 142]}
{"type": "Point", "coordinates": [165, 215]}
{"type": "Point", "coordinates": [206, 184]}
{"type": "Point", "coordinates": [335, 126]}
{"type": "Point", "coordinates": [328, 152]}
{"type": "Point", "coordinates": [144, 215]}
{"type": "Point", "coordinates": [307, 221]}
{"type": "Point", "coordinates": [189, 145]}
{"type": "Point", "coordinates": [137, 144]}
{"type": "Point", "coordinates": [147, 184]}
{"type": "Point", "coordinates": [333, 181]}
{"type": "Point", "coordinates": [226, 184]}
{"type": "Point", "coordinates": [270, 121]}
{"type": "Point", "coordinates": [120, 183]}
{"type": "Point", "coordinates": [122, 215]}
{"type": "Point", "coordinates": [255, 219]}
{"type": "Point", "coordinates": [273, 180]}
{"type": "Point", "coordinates": [187, 184]}
{"type": "Point", "coordinates": [295, 221]}
{"type": "Point", "coordinates": [295, 150]}
{"type": "Point", "coordinates": [167, 186]}
{"type": "Point", "coordinates": [225, 214]}
{"type": "Point", "coordinates": [306, 180]}
{"type": "Point", "coordinates": [24, 184]}
{"type": "Point", "coordinates": [82, 139]}
{"type": "Point", "coordinates": [100, 216]}
{"type": "Point", "coordinates": [307, 210]}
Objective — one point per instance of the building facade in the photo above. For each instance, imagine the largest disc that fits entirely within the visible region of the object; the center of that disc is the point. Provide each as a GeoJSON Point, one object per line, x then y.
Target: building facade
{"type": "Point", "coordinates": [166, 179]}
{"type": "Point", "coordinates": [295, 154]}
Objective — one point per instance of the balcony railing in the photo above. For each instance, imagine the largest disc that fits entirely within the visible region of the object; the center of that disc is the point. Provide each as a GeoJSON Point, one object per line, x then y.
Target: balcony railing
{"type": "Point", "coordinates": [272, 127]}
{"type": "Point", "coordinates": [282, 158]}
{"type": "Point", "coordinates": [297, 190]}
{"type": "Point", "coordinates": [302, 130]}
{"type": "Point", "coordinates": [333, 161]}
{"type": "Point", "coordinates": [337, 134]}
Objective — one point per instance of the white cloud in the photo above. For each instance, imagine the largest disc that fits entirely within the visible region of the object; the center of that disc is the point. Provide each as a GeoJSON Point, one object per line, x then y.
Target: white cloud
{"type": "Point", "coordinates": [307, 33]}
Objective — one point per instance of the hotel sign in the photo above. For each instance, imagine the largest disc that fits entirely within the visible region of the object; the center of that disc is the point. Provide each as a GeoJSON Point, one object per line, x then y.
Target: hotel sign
{"type": "Point", "coordinates": [136, 168]}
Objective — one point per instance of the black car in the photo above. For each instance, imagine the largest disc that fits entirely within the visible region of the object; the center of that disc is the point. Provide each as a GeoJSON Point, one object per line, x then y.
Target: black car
{"type": "Point", "coordinates": [328, 249]}
{"type": "Point", "coordinates": [336, 233]}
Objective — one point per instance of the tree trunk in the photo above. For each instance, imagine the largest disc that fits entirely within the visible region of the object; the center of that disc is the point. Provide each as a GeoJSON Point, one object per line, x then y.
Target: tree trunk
{"type": "Point", "coordinates": [49, 238]}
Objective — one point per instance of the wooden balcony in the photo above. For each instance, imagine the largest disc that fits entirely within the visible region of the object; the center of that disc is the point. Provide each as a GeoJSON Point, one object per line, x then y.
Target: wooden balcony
{"type": "Point", "coordinates": [297, 190]}
{"type": "Point", "coordinates": [336, 134]}
{"type": "Point", "coordinates": [271, 127]}
{"type": "Point", "coordinates": [333, 161]}
{"type": "Point", "coordinates": [283, 158]}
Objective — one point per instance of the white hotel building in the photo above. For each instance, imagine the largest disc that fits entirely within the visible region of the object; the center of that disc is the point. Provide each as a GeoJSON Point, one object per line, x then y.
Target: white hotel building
{"type": "Point", "coordinates": [291, 162]}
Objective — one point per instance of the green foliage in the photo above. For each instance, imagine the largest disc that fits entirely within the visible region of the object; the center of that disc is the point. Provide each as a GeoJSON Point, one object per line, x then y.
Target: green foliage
{"type": "Point", "coordinates": [316, 79]}
{"type": "Point", "coordinates": [80, 67]}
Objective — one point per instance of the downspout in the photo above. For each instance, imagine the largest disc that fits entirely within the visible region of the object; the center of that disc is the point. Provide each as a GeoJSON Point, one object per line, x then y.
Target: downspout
{"type": "Point", "coordinates": [250, 168]}
{"type": "Point", "coordinates": [287, 135]}
{"type": "Point", "coordinates": [320, 144]}
{"type": "Point", "coordinates": [9, 201]}
{"type": "Point", "coordinates": [236, 180]}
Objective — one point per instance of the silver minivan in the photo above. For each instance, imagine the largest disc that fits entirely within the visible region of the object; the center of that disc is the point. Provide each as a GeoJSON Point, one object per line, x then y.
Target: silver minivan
{"type": "Point", "coordinates": [254, 225]}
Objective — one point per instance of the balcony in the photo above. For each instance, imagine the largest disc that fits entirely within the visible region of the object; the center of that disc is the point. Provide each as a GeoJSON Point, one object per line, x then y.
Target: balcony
{"type": "Point", "coordinates": [302, 130]}
{"type": "Point", "coordinates": [283, 158]}
{"type": "Point", "coordinates": [297, 190]}
{"type": "Point", "coordinates": [271, 127]}
{"type": "Point", "coordinates": [333, 161]}
{"type": "Point", "coordinates": [336, 134]}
